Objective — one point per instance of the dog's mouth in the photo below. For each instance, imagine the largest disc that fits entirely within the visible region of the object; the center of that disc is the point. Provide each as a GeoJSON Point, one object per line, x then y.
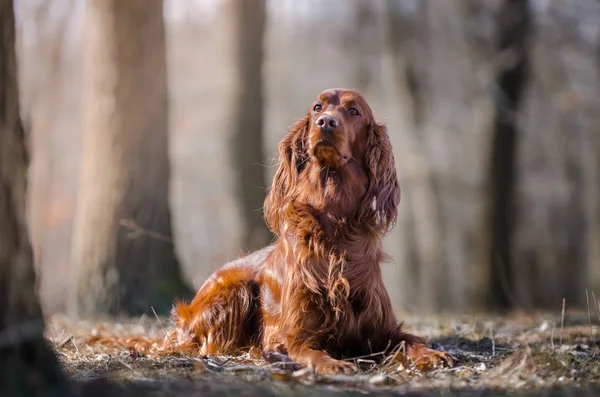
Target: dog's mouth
{"type": "Point", "coordinates": [328, 155]}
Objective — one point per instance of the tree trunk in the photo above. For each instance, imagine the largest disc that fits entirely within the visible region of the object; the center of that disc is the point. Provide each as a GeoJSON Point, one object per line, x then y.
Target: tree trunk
{"type": "Point", "coordinates": [556, 250]}
{"type": "Point", "coordinates": [511, 75]}
{"type": "Point", "coordinates": [244, 23]}
{"type": "Point", "coordinates": [28, 365]}
{"type": "Point", "coordinates": [45, 73]}
{"type": "Point", "coordinates": [441, 55]}
{"type": "Point", "coordinates": [500, 167]}
{"type": "Point", "coordinates": [122, 247]}
{"type": "Point", "coordinates": [358, 38]}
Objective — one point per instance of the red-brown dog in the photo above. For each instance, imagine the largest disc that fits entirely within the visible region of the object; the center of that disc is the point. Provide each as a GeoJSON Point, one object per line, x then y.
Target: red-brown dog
{"type": "Point", "coordinates": [317, 293]}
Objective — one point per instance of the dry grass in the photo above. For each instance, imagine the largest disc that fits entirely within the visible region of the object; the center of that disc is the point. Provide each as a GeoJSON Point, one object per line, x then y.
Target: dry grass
{"type": "Point", "coordinates": [519, 354]}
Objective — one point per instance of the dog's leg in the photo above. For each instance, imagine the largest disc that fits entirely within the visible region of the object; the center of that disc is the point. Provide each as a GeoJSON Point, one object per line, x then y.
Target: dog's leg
{"type": "Point", "coordinates": [320, 361]}
{"type": "Point", "coordinates": [421, 356]}
{"type": "Point", "coordinates": [223, 317]}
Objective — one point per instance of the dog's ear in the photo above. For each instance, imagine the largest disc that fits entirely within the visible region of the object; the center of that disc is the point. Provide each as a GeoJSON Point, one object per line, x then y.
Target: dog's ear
{"type": "Point", "coordinates": [383, 193]}
{"type": "Point", "coordinates": [292, 161]}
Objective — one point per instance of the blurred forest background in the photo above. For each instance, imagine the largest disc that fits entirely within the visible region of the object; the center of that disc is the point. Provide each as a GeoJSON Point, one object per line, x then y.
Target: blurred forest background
{"type": "Point", "coordinates": [153, 128]}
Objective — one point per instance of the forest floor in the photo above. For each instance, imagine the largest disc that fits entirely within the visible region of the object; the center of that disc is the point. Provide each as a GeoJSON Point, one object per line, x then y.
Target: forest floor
{"type": "Point", "coordinates": [517, 355]}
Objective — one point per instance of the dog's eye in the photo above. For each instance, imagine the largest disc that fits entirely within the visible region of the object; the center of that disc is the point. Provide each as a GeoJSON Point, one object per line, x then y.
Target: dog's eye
{"type": "Point", "coordinates": [318, 108]}
{"type": "Point", "coordinates": [353, 112]}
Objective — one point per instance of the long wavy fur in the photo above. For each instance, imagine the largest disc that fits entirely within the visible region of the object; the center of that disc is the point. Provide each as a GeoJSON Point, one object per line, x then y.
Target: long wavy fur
{"type": "Point", "coordinates": [317, 292]}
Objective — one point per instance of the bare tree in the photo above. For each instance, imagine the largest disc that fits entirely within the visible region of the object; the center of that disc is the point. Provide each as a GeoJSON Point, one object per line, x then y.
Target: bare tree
{"type": "Point", "coordinates": [359, 39]}
{"type": "Point", "coordinates": [556, 246]}
{"type": "Point", "coordinates": [500, 166]}
{"type": "Point", "coordinates": [43, 68]}
{"type": "Point", "coordinates": [442, 59]}
{"type": "Point", "coordinates": [512, 72]}
{"type": "Point", "coordinates": [28, 364]}
{"type": "Point", "coordinates": [122, 246]}
{"type": "Point", "coordinates": [244, 23]}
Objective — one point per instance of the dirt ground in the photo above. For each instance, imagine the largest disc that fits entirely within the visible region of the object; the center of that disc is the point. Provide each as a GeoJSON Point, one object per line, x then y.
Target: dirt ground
{"type": "Point", "coordinates": [517, 354]}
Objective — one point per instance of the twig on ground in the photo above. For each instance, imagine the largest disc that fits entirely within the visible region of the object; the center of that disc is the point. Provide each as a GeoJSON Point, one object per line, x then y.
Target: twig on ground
{"type": "Point", "coordinates": [167, 335]}
{"type": "Point", "coordinates": [493, 343]}
{"type": "Point", "coordinates": [244, 368]}
{"type": "Point", "coordinates": [597, 303]}
{"type": "Point", "coordinates": [107, 362]}
{"type": "Point", "coordinates": [142, 317]}
{"type": "Point", "coordinates": [381, 353]}
{"type": "Point", "coordinates": [562, 320]}
{"type": "Point", "coordinates": [587, 298]}
{"type": "Point", "coordinates": [54, 340]}
{"type": "Point", "coordinates": [401, 348]}
{"type": "Point", "coordinates": [64, 342]}
{"type": "Point", "coordinates": [123, 363]}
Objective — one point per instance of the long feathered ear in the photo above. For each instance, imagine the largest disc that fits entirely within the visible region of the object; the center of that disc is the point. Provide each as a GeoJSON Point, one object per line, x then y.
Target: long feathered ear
{"type": "Point", "coordinates": [292, 160]}
{"type": "Point", "coordinates": [383, 193]}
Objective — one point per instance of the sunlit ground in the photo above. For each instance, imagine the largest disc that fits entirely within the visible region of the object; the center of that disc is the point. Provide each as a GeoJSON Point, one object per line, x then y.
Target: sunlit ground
{"type": "Point", "coordinates": [505, 355]}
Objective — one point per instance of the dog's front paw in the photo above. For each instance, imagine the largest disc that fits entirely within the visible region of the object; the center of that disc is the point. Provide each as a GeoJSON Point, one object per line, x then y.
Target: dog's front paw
{"type": "Point", "coordinates": [425, 359]}
{"type": "Point", "coordinates": [330, 366]}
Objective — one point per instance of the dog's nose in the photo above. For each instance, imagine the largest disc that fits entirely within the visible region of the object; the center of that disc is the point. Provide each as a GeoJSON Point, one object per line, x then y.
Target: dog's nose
{"type": "Point", "coordinates": [327, 123]}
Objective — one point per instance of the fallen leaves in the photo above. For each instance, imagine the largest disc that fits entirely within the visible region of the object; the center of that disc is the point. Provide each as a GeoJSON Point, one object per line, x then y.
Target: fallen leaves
{"type": "Point", "coordinates": [502, 354]}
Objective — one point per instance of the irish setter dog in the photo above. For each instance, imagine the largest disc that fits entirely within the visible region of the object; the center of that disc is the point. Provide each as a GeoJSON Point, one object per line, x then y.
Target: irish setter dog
{"type": "Point", "coordinates": [316, 294]}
